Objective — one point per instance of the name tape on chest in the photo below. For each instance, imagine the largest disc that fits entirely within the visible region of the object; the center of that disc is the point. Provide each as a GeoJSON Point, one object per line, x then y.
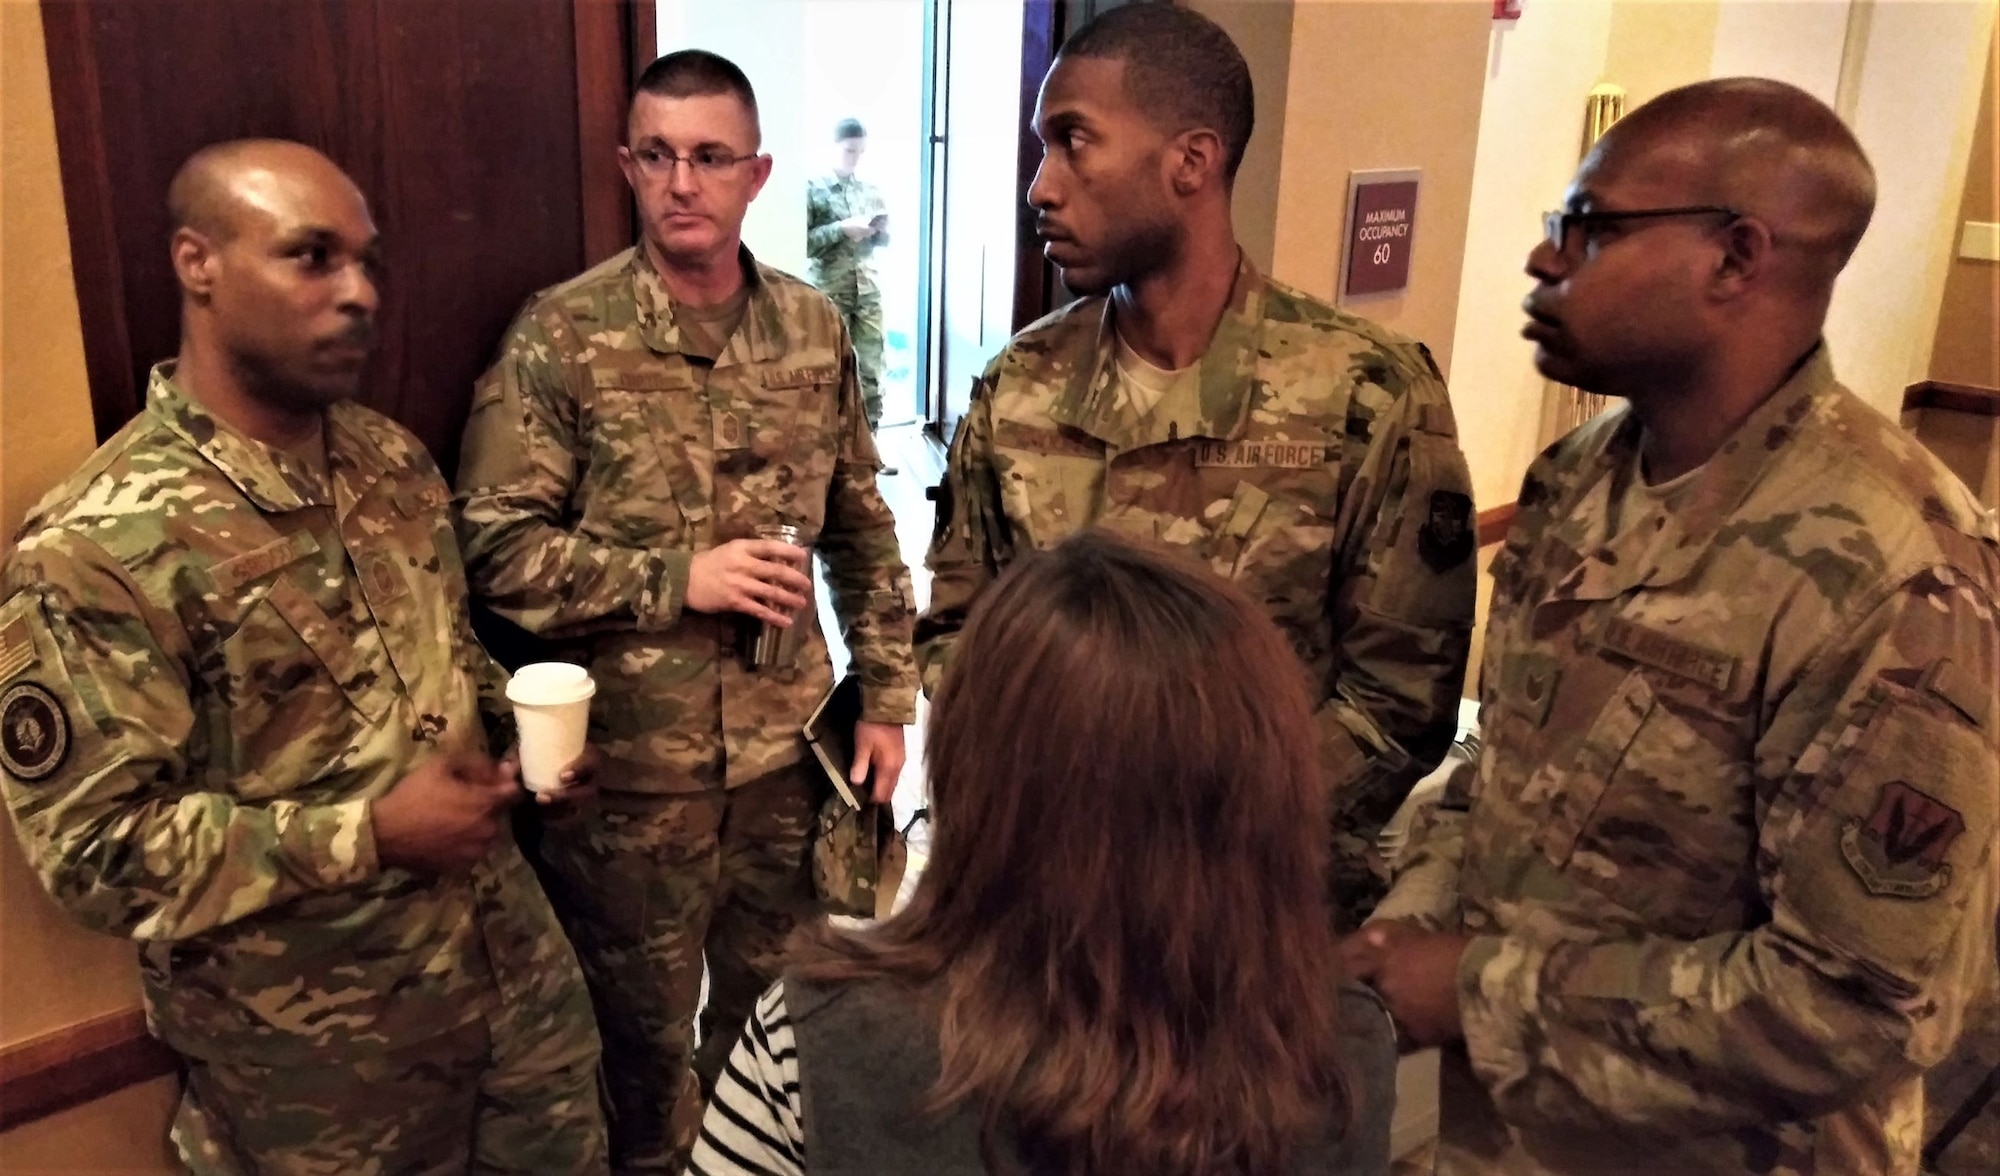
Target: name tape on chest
{"type": "Point", "coordinates": [1675, 655]}
{"type": "Point", "coordinates": [238, 570]}
{"type": "Point", "coordinates": [1276, 455]}
{"type": "Point", "coordinates": [801, 377]}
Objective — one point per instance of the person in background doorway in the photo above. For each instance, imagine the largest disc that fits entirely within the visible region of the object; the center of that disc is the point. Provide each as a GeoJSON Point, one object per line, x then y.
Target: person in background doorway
{"type": "Point", "coordinates": [1724, 881]}
{"type": "Point", "coordinates": [846, 222]}
{"type": "Point", "coordinates": [1305, 453]}
{"type": "Point", "coordinates": [1119, 959]}
{"type": "Point", "coordinates": [244, 721]}
{"type": "Point", "coordinates": [645, 420]}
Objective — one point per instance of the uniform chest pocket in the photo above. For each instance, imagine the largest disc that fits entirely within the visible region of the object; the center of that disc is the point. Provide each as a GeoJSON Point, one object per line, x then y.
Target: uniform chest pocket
{"type": "Point", "coordinates": [642, 484]}
{"type": "Point", "coordinates": [776, 444]}
{"type": "Point", "coordinates": [1650, 811]}
{"type": "Point", "coordinates": [1278, 547]}
{"type": "Point", "coordinates": [1051, 485]}
{"type": "Point", "coordinates": [300, 692]}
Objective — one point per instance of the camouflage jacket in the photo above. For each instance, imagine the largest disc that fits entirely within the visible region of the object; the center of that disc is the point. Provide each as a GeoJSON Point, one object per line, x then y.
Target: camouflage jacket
{"type": "Point", "coordinates": [1327, 482]}
{"type": "Point", "coordinates": [1729, 850]}
{"type": "Point", "coordinates": [840, 265]}
{"type": "Point", "coordinates": [214, 659]}
{"type": "Point", "coordinates": [598, 460]}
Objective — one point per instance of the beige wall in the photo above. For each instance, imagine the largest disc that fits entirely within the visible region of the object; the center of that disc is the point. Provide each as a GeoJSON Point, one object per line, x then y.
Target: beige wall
{"type": "Point", "coordinates": [44, 402]}
{"type": "Point", "coordinates": [1262, 29]}
{"type": "Point", "coordinates": [1904, 73]}
{"type": "Point", "coordinates": [1911, 88]}
{"type": "Point", "coordinates": [1967, 350]}
{"type": "Point", "coordinates": [123, 1133]}
{"type": "Point", "coordinates": [1539, 72]}
{"type": "Point", "coordinates": [1382, 86]}
{"type": "Point", "coordinates": [1654, 45]}
{"type": "Point", "coordinates": [52, 973]}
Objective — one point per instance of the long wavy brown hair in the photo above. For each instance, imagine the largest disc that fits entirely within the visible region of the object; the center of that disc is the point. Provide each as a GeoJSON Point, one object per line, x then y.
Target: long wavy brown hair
{"type": "Point", "coordinates": [1123, 930]}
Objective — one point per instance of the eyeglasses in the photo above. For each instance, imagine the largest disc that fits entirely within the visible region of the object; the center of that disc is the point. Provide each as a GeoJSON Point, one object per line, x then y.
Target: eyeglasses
{"type": "Point", "coordinates": [705, 162]}
{"type": "Point", "coordinates": [1557, 225]}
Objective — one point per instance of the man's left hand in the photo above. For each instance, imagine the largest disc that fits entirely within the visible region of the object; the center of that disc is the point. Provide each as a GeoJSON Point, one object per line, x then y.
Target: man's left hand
{"type": "Point", "coordinates": [878, 749]}
{"type": "Point", "coordinates": [1416, 972]}
{"type": "Point", "coordinates": [577, 782]}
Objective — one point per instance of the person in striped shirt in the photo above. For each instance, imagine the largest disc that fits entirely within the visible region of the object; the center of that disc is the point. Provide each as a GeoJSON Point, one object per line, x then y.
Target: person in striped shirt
{"type": "Point", "coordinates": [1120, 958]}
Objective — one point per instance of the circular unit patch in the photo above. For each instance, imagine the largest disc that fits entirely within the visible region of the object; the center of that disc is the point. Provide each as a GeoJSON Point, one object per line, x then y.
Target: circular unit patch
{"type": "Point", "coordinates": [34, 733]}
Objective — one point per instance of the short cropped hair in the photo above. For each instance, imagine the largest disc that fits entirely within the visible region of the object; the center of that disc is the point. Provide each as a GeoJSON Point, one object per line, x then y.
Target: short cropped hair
{"type": "Point", "coordinates": [690, 73]}
{"type": "Point", "coordinates": [1181, 69]}
{"type": "Point", "coordinates": [849, 128]}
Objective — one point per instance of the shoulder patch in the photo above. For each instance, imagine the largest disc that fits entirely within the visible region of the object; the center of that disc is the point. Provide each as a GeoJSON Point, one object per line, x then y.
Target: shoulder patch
{"type": "Point", "coordinates": [1447, 538]}
{"type": "Point", "coordinates": [17, 649]}
{"type": "Point", "coordinates": [34, 732]}
{"type": "Point", "coordinates": [1899, 851]}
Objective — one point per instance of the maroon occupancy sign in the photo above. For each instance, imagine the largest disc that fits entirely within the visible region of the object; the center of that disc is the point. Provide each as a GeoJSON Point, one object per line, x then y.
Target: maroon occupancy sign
{"type": "Point", "coordinates": [1379, 236]}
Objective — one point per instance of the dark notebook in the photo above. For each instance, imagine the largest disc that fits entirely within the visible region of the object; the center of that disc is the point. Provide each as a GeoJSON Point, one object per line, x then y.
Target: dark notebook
{"type": "Point", "coordinates": [830, 731]}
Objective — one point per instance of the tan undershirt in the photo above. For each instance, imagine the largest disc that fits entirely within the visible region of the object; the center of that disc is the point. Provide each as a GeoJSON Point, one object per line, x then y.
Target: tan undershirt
{"type": "Point", "coordinates": [1633, 500]}
{"type": "Point", "coordinates": [706, 330]}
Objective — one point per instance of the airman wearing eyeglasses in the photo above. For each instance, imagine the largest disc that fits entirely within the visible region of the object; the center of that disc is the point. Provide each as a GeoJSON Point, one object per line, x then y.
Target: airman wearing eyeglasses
{"type": "Point", "coordinates": [644, 423]}
{"type": "Point", "coordinates": [1723, 881]}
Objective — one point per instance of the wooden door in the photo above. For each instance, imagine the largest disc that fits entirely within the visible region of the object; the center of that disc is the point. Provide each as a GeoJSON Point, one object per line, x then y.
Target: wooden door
{"type": "Point", "coordinates": [483, 132]}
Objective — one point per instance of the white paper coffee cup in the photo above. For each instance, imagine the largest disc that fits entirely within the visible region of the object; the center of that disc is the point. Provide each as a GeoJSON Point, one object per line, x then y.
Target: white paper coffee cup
{"type": "Point", "coordinates": [552, 713]}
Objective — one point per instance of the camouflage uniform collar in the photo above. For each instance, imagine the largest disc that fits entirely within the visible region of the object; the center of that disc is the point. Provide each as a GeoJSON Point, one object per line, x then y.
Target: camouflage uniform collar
{"type": "Point", "coordinates": [1663, 547]}
{"type": "Point", "coordinates": [1090, 400]}
{"type": "Point", "coordinates": [272, 479]}
{"type": "Point", "coordinates": [760, 338]}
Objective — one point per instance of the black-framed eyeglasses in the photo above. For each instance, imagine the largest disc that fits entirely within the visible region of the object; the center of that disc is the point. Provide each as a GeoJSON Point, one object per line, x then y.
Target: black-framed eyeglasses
{"type": "Point", "coordinates": [1557, 225]}
{"type": "Point", "coordinates": [703, 162]}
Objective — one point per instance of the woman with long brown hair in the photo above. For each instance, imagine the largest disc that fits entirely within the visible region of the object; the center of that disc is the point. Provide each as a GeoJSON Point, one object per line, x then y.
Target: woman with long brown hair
{"type": "Point", "coordinates": [1119, 958]}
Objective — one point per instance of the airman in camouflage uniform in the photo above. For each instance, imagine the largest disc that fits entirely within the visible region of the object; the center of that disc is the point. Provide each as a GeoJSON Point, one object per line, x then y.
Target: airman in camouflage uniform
{"type": "Point", "coordinates": [623, 446]}
{"type": "Point", "coordinates": [1723, 880]}
{"type": "Point", "coordinates": [227, 668]}
{"type": "Point", "coordinates": [1309, 455]}
{"type": "Point", "coordinates": [841, 240]}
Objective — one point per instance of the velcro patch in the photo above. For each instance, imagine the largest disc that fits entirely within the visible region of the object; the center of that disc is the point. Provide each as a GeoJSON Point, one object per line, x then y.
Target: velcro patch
{"type": "Point", "coordinates": [639, 380]}
{"type": "Point", "coordinates": [1675, 655]}
{"type": "Point", "coordinates": [800, 377]}
{"type": "Point", "coordinates": [384, 584]}
{"type": "Point", "coordinates": [1962, 691]}
{"type": "Point", "coordinates": [1448, 537]}
{"type": "Point", "coordinates": [238, 570]}
{"type": "Point", "coordinates": [1277, 455]}
{"type": "Point", "coordinates": [17, 649]}
{"type": "Point", "coordinates": [34, 732]}
{"type": "Point", "coordinates": [1899, 851]}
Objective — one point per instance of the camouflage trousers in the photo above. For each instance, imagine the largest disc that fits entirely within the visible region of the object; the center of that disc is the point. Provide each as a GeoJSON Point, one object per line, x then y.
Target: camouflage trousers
{"type": "Point", "coordinates": [650, 886]}
{"type": "Point", "coordinates": [510, 1093]}
{"type": "Point", "coordinates": [861, 309]}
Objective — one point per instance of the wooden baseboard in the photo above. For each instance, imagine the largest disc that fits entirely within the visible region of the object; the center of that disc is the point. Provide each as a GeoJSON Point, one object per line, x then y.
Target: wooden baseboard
{"type": "Point", "coordinates": [79, 1064]}
{"type": "Point", "coordinates": [1493, 523]}
{"type": "Point", "coordinates": [1965, 398]}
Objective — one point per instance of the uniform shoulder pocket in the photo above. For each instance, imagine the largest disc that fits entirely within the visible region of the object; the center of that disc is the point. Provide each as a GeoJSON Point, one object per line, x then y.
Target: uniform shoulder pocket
{"type": "Point", "coordinates": [1898, 856]}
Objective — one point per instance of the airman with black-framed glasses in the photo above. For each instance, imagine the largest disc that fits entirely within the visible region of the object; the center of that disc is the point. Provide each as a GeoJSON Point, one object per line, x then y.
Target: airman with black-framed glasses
{"type": "Point", "coordinates": [1557, 225]}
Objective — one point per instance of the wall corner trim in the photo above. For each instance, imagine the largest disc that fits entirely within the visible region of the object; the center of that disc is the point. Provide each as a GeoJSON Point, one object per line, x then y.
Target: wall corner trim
{"type": "Point", "coordinates": [78, 1064]}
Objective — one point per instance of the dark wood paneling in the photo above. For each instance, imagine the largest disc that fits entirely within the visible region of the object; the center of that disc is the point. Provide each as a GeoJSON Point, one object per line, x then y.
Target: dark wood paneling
{"type": "Point", "coordinates": [93, 223]}
{"type": "Point", "coordinates": [1493, 523]}
{"type": "Point", "coordinates": [1965, 398]}
{"type": "Point", "coordinates": [645, 24]}
{"type": "Point", "coordinates": [1034, 278]}
{"type": "Point", "coordinates": [605, 51]}
{"type": "Point", "coordinates": [73, 1066]}
{"type": "Point", "coordinates": [462, 121]}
